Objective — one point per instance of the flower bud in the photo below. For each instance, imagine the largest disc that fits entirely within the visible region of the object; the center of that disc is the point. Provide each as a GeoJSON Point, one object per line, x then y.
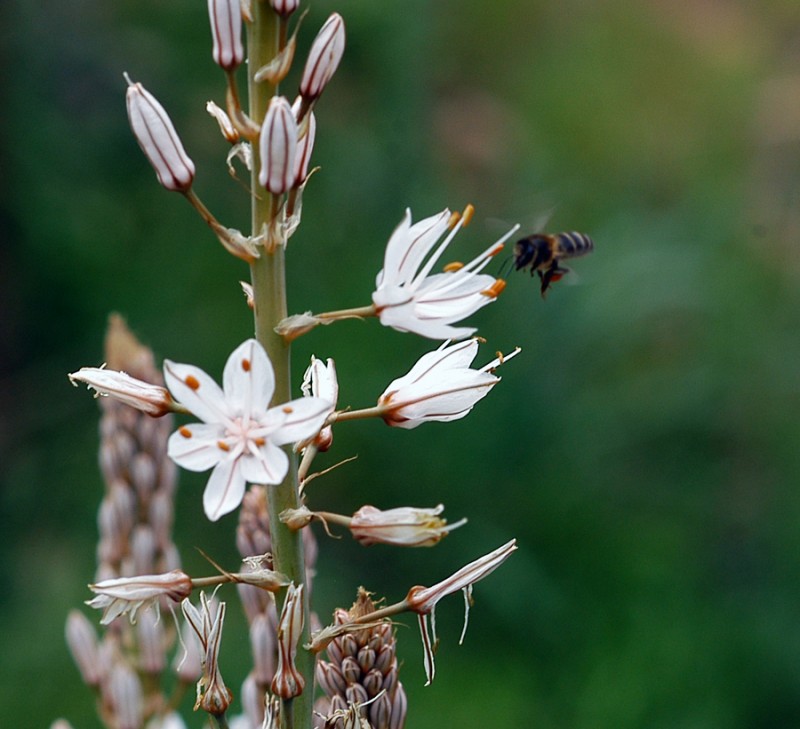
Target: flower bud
{"type": "Point", "coordinates": [151, 399]}
{"type": "Point", "coordinates": [324, 57]}
{"type": "Point", "coordinates": [226, 29]}
{"type": "Point", "coordinates": [158, 139]}
{"type": "Point", "coordinates": [278, 147]}
{"type": "Point", "coordinates": [284, 7]}
{"type": "Point", "coordinates": [403, 527]}
{"type": "Point", "coordinates": [304, 148]}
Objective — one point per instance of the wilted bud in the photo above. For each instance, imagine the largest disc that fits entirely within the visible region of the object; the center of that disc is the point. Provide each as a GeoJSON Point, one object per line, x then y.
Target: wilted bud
{"type": "Point", "coordinates": [226, 29]}
{"type": "Point", "coordinates": [284, 7]}
{"type": "Point", "coordinates": [158, 139]}
{"type": "Point", "coordinates": [323, 58]}
{"type": "Point", "coordinates": [224, 121]}
{"type": "Point", "coordinates": [402, 527]}
{"type": "Point", "coordinates": [288, 681]}
{"type": "Point", "coordinates": [278, 147]}
{"type": "Point", "coordinates": [127, 594]}
{"type": "Point", "coordinates": [151, 399]}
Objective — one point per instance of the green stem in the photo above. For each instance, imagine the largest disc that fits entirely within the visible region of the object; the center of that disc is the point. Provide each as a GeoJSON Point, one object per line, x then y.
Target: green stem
{"type": "Point", "coordinates": [269, 298]}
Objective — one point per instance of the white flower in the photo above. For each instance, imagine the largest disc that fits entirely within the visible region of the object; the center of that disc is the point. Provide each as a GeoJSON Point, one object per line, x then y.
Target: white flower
{"type": "Point", "coordinates": [151, 399]}
{"type": "Point", "coordinates": [123, 595]}
{"type": "Point", "coordinates": [240, 436]}
{"type": "Point", "coordinates": [408, 299]}
{"type": "Point", "coordinates": [440, 386]}
{"type": "Point", "coordinates": [320, 381]}
{"type": "Point", "coordinates": [404, 526]}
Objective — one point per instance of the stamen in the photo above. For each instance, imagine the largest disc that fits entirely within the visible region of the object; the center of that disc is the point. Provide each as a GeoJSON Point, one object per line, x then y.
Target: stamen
{"type": "Point", "coordinates": [185, 432]}
{"type": "Point", "coordinates": [287, 409]}
{"type": "Point", "coordinates": [192, 382]}
{"type": "Point", "coordinates": [259, 441]}
{"type": "Point", "coordinates": [246, 364]}
{"type": "Point", "coordinates": [455, 216]}
{"type": "Point", "coordinates": [223, 446]}
{"type": "Point", "coordinates": [453, 266]}
{"type": "Point", "coordinates": [495, 289]}
{"type": "Point", "coordinates": [495, 250]}
{"type": "Point", "coordinates": [466, 216]}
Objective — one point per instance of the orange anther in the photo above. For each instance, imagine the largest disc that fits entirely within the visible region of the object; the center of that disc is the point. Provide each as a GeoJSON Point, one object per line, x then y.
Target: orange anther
{"type": "Point", "coordinates": [246, 364]}
{"type": "Point", "coordinates": [495, 289]}
{"type": "Point", "coordinates": [259, 441]}
{"type": "Point", "coordinates": [453, 266]}
{"type": "Point", "coordinates": [287, 409]}
{"type": "Point", "coordinates": [192, 382]}
{"type": "Point", "coordinates": [466, 216]}
{"type": "Point", "coordinates": [454, 218]}
{"type": "Point", "coordinates": [185, 432]}
{"type": "Point", "coordinates": [223, 446]}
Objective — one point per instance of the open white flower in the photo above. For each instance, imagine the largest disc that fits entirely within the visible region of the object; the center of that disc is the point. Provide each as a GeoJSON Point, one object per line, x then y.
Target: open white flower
{"type": "Point", "coordinates": [440, 386]}
{"type": "Point", "coordinates": [408, 298]}
{"type": "Point", "coordinates": [240, 436]}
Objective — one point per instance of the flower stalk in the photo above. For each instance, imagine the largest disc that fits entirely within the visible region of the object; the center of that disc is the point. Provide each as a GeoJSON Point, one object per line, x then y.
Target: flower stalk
{"type": "Point", "coordinates": [268, 278]}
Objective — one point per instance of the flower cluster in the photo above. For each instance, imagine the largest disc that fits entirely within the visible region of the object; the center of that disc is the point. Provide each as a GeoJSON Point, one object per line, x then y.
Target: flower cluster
{"type": "Point", "coordinates": [249, 431]}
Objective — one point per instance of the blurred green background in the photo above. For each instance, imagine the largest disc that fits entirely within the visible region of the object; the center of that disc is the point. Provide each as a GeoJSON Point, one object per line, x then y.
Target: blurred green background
{"type": "Point", "coordinates": [643, 448]}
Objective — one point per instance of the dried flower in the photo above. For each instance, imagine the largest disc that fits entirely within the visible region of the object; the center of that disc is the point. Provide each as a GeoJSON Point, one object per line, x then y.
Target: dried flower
{"type": "Point", "coordinates": [408, 299]}
{"type": "Point", "coordinates": [278, 147]}
{"type": "Point", "coordinates": [151, 399]}
{"type": "Point", "coordinates": [402, 527]}
{"type": "Point", "coordinates": [323, 58]}
{"type": "Point", "coordinates": [240, 436]}
{"type": "Point", "coordinates": [212, 694]}
{"type": "Point", "coordinates": [225, 126]}
{"type": "Point", "coordinates": [158, 139]}
{"type": "Point", "coordinates": [288, 682]}
{"type": "Point", "coordinates": [226, 30]}
{"type": "Point", "coordinates": [440, 386]}
{"type": "Point", "coordinates": [320, 381]}
{"type": "Point", "coordinates": [422, 600]}
{"type": "Point", "coordinates": [128, 594]}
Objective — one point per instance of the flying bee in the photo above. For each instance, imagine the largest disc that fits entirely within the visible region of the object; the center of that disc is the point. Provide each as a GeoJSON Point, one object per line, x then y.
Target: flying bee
{"type": "Point", "coordinates": [542, 253]}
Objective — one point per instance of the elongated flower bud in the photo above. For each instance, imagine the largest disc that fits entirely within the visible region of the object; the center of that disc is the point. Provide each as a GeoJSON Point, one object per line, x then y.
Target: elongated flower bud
{"type": "Point", "coordinates": [324, 57]}
{"type": "Point", "coordinates": [226, 29]}
{"type": "Point", "coordinates": [304, 148]}
{"type": "Point", "coordinates": [278, 147]}
{"type": "Point", "coordinates": [158, 139]}
{"type": "Point", "coordinates": [284, 7]}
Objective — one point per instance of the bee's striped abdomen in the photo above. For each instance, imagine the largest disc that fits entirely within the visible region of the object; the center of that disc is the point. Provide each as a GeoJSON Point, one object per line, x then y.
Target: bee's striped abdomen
{"type": "Point", "coordinates": [572, 245]}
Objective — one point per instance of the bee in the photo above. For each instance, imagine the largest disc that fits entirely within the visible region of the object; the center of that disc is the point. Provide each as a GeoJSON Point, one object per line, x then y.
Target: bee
{"type": "Point", "coordinates": [542, 253]}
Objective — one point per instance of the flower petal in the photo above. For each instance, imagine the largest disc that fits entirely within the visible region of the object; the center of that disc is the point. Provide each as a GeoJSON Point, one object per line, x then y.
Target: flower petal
{"type": "Point", "coordinates": [195, 447]}
{"type": "Point", "coordinates": [225, 489]}
{"type": "Point", "coordinates": [269, 466]}
{"type": "Point", "coordinates": [303, 419]}
{"type": "Point", "coordinates": [248, 379]}
{"type": "Point", "coordinates": [198, 392]}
